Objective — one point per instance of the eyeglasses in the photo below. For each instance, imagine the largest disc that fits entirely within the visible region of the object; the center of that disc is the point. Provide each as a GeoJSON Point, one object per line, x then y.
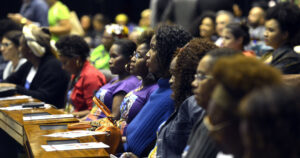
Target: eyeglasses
{"type": "Point", "coordinates": [201, 76]}
{"type": "Point", "coordinates": [5, 44]}
{"type": "Point", "coordinates": [137, 55]}
{"type": "Point", "coordinates": [213, 128]}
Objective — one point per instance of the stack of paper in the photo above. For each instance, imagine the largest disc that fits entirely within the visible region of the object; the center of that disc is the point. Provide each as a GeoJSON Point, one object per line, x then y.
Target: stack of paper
{"type": "Point", "coordinates": [74, 134]}
{"type": "Point", "coordinates": [47, 117]}
{"type": "Point", "coordinates": [16, 97]}
{"type": "Point", "coordinates": [75, 146]}
{"type": "Point", "coordinates": [11, 108]}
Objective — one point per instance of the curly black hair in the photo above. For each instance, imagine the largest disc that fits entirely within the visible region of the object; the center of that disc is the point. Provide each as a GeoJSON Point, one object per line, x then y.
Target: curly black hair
{"type": "Point", "coordinates": [127, 47]}
{"type": "Point", "coordinates": [287, 15]}
{"type": "Point", "coordinates": [73, 46]}
{"type": "Point", "coordinates": [273, 115]}
{"type": "Point", "coordinates": [168, 39]}
{"type": "Point", "coordinates": [239, 30]}
{"type": "Point", "coordinates": [188, 58]}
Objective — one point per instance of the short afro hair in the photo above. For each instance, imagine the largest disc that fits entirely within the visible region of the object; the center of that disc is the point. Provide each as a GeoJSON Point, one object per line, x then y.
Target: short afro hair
{"type": "Point", "coordinates": [288, 17]}
{"type": "Point", "coordinates": [240, 75]}
{"type": "Point", "coordinates": [168, 39]}
{"type": "Point", "coordinates": [268, 110]}
{"type": "Point", "coordinates": [73, 46]}
{"type": "Point", "coordinates": [126, 47]}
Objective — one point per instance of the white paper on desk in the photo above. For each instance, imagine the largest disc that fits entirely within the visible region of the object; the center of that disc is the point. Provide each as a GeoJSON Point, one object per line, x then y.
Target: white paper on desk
{"type": "Point", "coordinates": [11, 108]}
{"type": "Point", "coordinates": [47, 117]}
{"type": "Point", "coordinates": [74, 134]}
{"type": "Point", "coordinates": [75, 146]}
{"type": "Point", "coordinates": [16, 97]}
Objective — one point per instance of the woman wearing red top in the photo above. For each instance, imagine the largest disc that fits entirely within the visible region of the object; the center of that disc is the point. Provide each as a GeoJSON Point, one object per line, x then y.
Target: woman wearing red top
{"type": "Point", "coordinates": [85, 78]}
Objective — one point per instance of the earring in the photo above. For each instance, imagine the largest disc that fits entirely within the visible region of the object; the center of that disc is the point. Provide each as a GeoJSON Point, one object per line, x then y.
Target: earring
{"type": "Point", "coordinates": [127, 67]}
{"type": "Point", "coordinates": [78, 64]}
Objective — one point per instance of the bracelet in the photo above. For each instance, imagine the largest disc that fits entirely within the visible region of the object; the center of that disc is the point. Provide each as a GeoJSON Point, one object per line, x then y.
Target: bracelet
{"type": "Point", "coordinates": [23, 21]}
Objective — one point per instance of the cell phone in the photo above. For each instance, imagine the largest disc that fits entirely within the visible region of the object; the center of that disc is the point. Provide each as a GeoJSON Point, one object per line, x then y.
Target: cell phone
{"type": "Point", "coordinates": [33, 105]}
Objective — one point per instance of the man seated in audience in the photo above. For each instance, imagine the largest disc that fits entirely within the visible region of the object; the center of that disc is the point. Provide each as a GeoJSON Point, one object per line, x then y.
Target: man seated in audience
{"type": "Point", "coordinates": [256, 21]}
{"type": "Point", "coordinates": [222, 19]}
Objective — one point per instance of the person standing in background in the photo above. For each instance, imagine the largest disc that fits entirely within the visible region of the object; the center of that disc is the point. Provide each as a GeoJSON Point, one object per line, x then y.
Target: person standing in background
{"type": "Point", "coordinates": [58, 18]}
{"type": "Point", "coordinates": [32, 11]}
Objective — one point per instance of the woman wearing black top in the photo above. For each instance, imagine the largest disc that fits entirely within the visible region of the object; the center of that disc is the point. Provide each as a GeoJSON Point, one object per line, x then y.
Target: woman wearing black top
{"type": "Point", "coordinates": [42, 76]}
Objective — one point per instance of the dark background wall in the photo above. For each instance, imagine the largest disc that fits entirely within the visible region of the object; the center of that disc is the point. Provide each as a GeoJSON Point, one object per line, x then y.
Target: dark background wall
{"type": "Point", "coordinates": [109, 8]}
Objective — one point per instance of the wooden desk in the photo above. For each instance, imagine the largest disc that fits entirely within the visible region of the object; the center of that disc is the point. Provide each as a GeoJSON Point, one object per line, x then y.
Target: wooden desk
{"type": "Point", "coordinates": [12, 121]}
{"type": "Point", "coordinates": [35, 140]}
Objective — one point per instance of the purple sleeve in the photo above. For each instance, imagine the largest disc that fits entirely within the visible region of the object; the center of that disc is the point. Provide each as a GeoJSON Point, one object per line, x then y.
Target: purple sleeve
{"type": "Point", "coordinates": [127, 85]}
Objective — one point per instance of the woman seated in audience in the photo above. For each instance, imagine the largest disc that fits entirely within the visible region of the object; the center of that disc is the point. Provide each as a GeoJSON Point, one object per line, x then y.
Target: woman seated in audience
{"type": "Point", "coordinates": [141, 131]}
{"type": "Point", "coordinates": [205, 26]}
{"type": "Point", "coordinates": [85, 80]}
{"type": "Point", "coordinates": [9, 48]}
{"type": "Point", "coordinates": [270, 123]}
{"type": "Point", "coordinates": [134, 101]}
{"type": "Point", "coordinates": [199, 143]}
{"type": "Point", "coordinates": [173, 134]}
{"type": "Point", "coordinates": [236, 36]}
{"type": "Point", "coordinates": [233, 83]}
{"type": "Point", "coordinates": [113, 93]}
{"type": "Point", "coordinates": [42, 76]}
{"type": "Point", "coordinates": [282, 33]}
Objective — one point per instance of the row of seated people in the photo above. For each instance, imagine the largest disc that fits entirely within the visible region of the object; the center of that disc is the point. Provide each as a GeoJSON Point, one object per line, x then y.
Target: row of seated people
{"type": "Point", "coordinates": [182, 127]}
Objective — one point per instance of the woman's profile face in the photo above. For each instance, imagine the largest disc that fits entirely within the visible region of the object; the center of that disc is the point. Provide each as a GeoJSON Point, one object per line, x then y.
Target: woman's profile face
{"type": "Point", "coordinates": [207, 28]}
{"type": "Point", "coordinates": [273, 35]}
{"type": "Point", "coordinates": [229, 41]}
{"type": "Point", "coordinates": [138, 61]}
{"type": "Point", "coordinates": [152, 61]}
{"type": "Point", "coordinates": [172, 70]}
{"type": "Point", "coordinates": [8, 49]}
{"type": "Point", "coordinates": [117, 61]}
{"type": "Point", "coordinates": [203, 84]}
{"type": "Point", "coordinates": [69, 64]}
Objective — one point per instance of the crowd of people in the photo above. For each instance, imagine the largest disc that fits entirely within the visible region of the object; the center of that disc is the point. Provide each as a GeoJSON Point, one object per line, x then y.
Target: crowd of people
{"type": "Point", "coordinates": [222, 85]}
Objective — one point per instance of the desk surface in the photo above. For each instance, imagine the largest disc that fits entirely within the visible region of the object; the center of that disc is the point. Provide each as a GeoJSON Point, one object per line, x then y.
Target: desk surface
{"type": "Point", "coordinates": [35, 140]}
{"type": "Point", "coordinates": [12, 121]}
{"type": "Point", "coordinates": [17, 115]}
